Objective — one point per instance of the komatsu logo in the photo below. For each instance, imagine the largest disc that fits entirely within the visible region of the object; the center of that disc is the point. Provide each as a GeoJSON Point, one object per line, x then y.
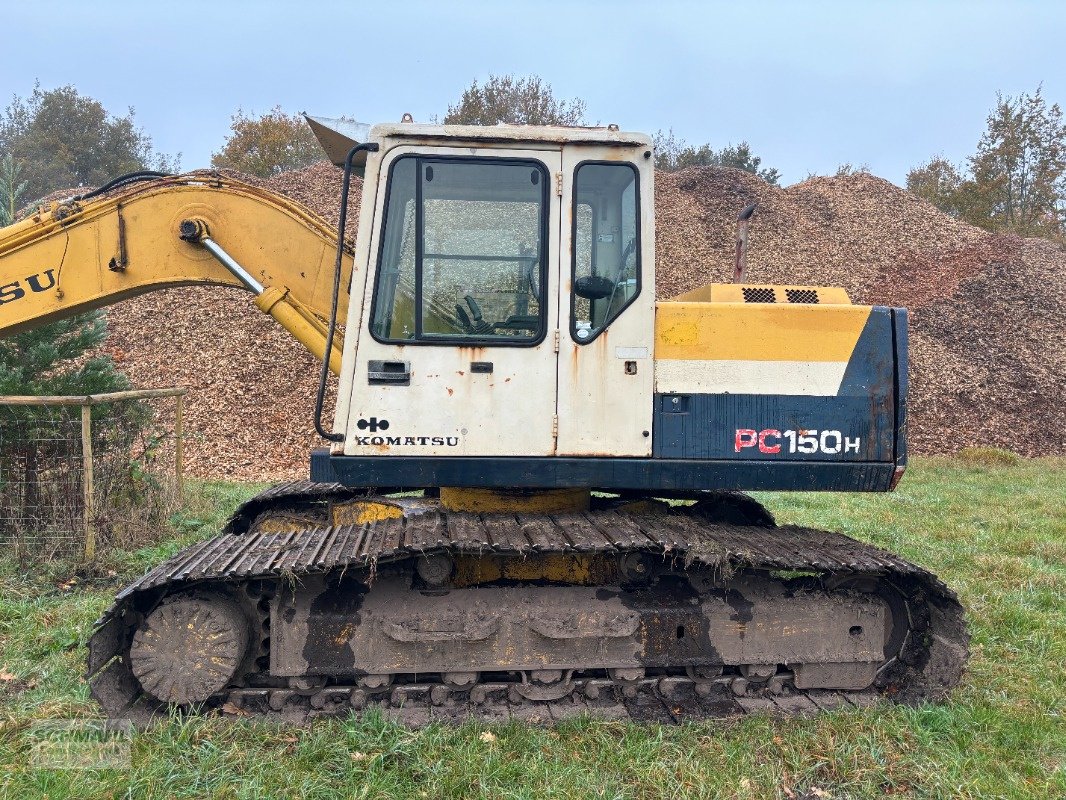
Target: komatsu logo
{"type": "Point", "coordinates": [374, 425]}
{"type": "Point", "coordinates": [408, 441]}
{"type": "Point", "coordinates": [41, 282]}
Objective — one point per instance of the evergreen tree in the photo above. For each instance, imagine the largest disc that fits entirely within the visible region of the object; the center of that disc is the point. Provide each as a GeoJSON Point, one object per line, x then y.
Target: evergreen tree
{"type": "Point", "coordinates": [40, 440]}
{"type": "Point", "coordinates": [11, 189]}
{"type": "Point", "coordinates": [52, 359]}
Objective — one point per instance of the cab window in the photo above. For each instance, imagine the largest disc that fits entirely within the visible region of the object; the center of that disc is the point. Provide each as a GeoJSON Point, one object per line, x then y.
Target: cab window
{"type": "Point", "coordinates": [463, 252]}
{"type": "Point", "coordinates": [606, 246]}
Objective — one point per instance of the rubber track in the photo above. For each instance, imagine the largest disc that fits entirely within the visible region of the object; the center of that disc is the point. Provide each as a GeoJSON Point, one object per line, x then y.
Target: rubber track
{"type": "Point", "coordinates": [930, 664]}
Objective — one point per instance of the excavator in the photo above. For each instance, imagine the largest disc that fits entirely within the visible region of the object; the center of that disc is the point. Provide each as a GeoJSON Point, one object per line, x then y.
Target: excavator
{"type": "Point", "coordinates": [533, 500]}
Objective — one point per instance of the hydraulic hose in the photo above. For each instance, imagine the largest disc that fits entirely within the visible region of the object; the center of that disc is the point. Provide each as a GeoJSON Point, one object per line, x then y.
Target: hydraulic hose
{"type": "Point", "coordinates": [122, 180]}
{"type": "Point", "coordinates": [370, 147]}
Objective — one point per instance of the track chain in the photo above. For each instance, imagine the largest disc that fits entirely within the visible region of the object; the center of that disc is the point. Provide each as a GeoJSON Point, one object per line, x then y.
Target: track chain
{"type": "Point", "coordinates": [665, 700]}
{"type": "Point", "coordinates": [930, 662]}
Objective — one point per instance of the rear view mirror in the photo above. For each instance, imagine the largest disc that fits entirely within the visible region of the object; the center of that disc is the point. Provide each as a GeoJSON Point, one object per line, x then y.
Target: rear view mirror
{"type": "Point", "coordinates": [593, 287]}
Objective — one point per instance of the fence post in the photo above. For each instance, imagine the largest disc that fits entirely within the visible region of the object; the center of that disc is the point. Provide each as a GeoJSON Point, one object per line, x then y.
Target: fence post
{"type": "Point", "coordinates": [178, 448]}
{"type": "Point", "coordinates": [87, 480]}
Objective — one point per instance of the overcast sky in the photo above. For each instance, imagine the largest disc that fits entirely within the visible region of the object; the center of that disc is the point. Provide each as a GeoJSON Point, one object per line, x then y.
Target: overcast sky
{"type": "Point", "coordinates": [809, 85]}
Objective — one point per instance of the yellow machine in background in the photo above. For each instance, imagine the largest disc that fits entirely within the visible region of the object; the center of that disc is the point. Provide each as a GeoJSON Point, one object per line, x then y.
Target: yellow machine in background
{"type": "Point", "coordinates": [488, 530]}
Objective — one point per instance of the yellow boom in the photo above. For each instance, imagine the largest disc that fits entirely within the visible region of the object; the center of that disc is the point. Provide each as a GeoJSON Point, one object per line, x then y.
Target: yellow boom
{"type": "Point", "coordinates": [80, 255]}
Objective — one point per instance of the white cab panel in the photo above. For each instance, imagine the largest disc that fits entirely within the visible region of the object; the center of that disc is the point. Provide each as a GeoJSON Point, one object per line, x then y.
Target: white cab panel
{"type": "Point", "coordinates": [606, 384]}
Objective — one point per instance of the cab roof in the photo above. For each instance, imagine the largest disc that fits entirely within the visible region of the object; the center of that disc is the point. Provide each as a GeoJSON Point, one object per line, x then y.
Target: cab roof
{"type": "Point", "coordinates": [338, 136]}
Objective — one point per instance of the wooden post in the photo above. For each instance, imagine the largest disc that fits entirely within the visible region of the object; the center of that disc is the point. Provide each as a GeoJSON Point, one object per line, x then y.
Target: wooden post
{"type": "Point", "coordinates": [87, 402]}
{"type": "Point", "coordinates": [87, 480]}
{"type": "Point", "coordinates": [178, 448]}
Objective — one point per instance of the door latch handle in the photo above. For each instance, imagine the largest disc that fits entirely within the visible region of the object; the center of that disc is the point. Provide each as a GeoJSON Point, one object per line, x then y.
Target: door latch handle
{"type": "Point", "coordinates": [389, 373]}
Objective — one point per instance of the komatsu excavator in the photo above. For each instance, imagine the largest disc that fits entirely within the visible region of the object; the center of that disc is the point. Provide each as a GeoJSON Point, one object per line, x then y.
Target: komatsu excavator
{"type": "Point", "coordinates": [531, 502]}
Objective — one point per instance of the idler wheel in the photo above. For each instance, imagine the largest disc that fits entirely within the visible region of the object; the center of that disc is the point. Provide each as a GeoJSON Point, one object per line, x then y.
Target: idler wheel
{"type": "Point", "coordinates": [189, 648]}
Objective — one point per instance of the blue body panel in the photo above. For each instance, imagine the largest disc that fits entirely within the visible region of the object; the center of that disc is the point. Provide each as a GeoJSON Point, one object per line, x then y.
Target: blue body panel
{"type": "Point", "coordinates": [864, 410]}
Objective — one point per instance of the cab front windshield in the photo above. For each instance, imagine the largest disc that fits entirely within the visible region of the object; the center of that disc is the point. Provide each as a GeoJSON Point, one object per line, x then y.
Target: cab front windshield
{"type": "Point", "coordinates": [463, 252]}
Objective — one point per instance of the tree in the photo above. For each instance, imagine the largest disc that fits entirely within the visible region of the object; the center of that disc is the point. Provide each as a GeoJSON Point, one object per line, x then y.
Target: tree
{"type": "Point", "coordinates": [937, 181]}
{"type": "Point", "coordinates": [50, 359]}
{"type": "Point", "coordinates": [11, 189]}
{"type": "Point", "coordinates": [673, 153]}
{"type": "Point", "coordinates": [1016, 181]}
{"type": "Point", "coordinates": [1019, 170]}
{"type": "Point", "coordinates": [267, 145]}
{"type": "Point", "coordinates": [60, 139]}
{"type": "Point", "coordinates": [517, 101]}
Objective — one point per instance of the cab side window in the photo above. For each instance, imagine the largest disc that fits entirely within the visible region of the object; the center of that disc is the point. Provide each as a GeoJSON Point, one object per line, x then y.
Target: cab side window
{"type": "Point", "coordinates": [606, 246]}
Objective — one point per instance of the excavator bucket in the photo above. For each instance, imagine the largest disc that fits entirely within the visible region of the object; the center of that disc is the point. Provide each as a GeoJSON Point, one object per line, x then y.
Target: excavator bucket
{"type": "Point", "coordinates": [338, 136]}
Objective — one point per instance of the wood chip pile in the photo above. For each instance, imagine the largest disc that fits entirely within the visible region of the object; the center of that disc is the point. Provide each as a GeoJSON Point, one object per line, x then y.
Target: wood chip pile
{"type": "Point", "coordinates": [988, 355]}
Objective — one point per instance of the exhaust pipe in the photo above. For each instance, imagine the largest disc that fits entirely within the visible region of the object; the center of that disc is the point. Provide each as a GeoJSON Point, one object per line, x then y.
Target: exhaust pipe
{"type": "Point", "coordinates": [740, 268]}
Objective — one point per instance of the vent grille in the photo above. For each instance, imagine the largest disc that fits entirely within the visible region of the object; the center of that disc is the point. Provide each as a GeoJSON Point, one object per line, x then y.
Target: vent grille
{"type": "Point", "coordinates": [753, 295]}
{"type": "Point", "coordinates": [802, 295]}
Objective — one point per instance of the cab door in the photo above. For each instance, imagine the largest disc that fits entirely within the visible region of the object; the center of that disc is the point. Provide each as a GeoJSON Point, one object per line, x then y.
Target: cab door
{"type": "Point", "coordinates": [457, 355]}
{"type": "Point", "coordinates": [607, 303]}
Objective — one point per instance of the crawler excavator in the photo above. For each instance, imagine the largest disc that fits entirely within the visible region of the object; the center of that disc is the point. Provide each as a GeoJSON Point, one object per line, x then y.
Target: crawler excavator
{"type": "Point", "coordinates": [531, 503]}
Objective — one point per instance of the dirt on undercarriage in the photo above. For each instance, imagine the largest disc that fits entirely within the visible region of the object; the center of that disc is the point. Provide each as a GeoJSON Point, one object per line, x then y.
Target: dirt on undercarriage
{"type": "Point", "coordinates": [677, 632]}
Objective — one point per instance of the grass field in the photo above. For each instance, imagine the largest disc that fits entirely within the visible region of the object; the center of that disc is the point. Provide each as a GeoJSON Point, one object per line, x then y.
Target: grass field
{"type": "Point", "coordinates": [994, 532]}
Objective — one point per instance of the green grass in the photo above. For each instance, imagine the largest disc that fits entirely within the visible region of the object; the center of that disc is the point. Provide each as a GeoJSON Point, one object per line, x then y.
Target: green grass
{"type": "Point", "coordinates": [996, 532]}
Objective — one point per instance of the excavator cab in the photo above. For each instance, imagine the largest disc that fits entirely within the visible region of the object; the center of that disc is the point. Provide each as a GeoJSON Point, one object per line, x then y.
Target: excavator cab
{"type": "Point", "coordinates": [502, 283]}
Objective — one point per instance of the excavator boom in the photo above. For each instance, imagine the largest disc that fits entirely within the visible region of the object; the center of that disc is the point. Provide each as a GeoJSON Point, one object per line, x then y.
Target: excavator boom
{"type": "Point", "coordinates": [79, 255]}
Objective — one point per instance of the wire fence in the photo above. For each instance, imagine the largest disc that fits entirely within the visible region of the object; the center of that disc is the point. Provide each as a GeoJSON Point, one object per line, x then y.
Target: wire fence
{"type": "Point", "coordinates": [78, 473]}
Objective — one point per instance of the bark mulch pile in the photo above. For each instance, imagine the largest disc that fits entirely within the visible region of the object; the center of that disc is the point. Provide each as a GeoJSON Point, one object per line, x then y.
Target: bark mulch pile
{"type": "Point", "coordinates": [988, 314]}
